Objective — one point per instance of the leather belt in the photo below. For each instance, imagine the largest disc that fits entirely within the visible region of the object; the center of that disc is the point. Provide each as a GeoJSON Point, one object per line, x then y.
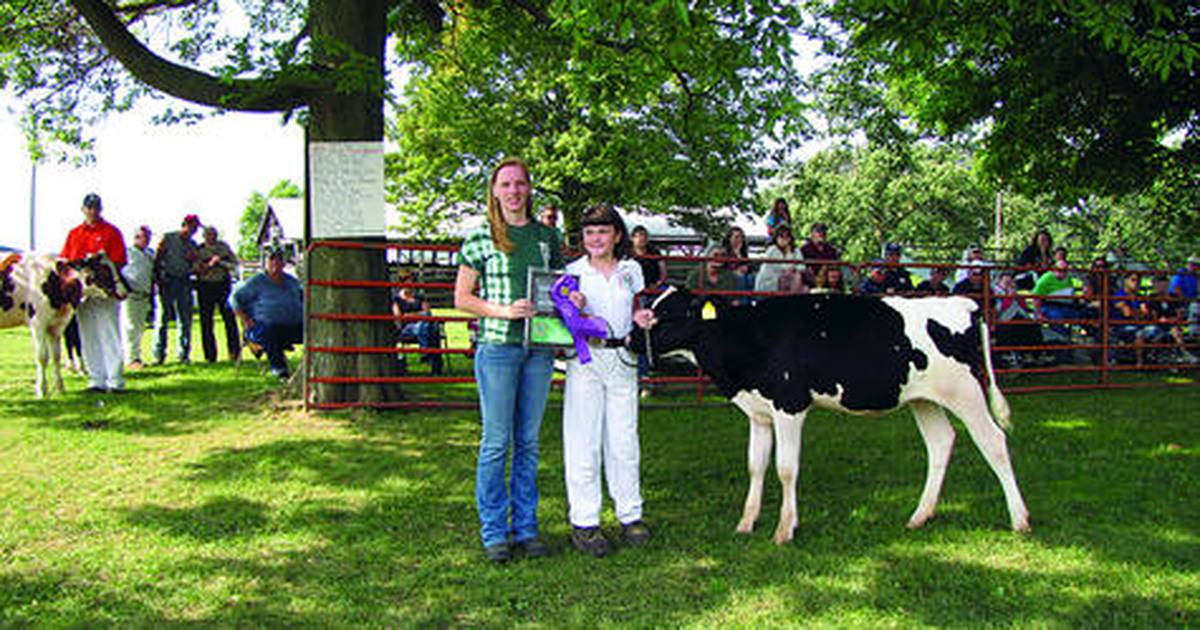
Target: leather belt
{"type": "Point", "coordinates": [606, 343]}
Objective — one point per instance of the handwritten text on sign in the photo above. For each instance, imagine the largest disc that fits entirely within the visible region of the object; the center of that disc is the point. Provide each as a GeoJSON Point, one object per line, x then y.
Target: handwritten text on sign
{"type": "Point", "coordinates": [346, 180]}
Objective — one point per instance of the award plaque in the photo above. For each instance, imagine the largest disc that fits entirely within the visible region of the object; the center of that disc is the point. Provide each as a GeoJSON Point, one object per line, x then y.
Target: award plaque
{"type": "Point", "coordinates": [545, 329]}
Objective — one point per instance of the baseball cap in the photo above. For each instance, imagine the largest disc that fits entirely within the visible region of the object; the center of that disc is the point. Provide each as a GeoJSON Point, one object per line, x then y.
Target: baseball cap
{"type": "Point", "coordinates": [191, 219]}
{"type": "Point", "coordinates": [892, 247]}
{"type": "Point", "coordinates": [820, 227]}
{"type": "Point", "coordinates": [274, 251]}
{"type": "Point", "coordinates": [91, 200]}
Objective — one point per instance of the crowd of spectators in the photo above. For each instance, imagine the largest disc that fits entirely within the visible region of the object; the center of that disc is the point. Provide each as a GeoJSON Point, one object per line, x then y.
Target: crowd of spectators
{"type": "Point", "coordinates": [164, 284]}
{"type": "Point", "coordinates": [1039, 299]}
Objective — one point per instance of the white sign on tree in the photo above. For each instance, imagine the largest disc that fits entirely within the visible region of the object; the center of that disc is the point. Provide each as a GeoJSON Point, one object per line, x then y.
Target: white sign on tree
{"type": "Point", "coordinates": [346, 183]}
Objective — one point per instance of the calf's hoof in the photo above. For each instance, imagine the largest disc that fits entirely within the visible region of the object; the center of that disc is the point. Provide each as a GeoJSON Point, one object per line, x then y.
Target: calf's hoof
{"type": "Point", "coordinates": [918, 520]}
{"type": "Point", "coordinates": [783, 534]}
{"type": "Point", "coordinates": [745, 526]}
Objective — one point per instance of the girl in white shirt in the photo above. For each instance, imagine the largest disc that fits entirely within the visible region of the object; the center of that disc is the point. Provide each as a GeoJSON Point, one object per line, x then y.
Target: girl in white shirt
{"type": "Point", "coordinates": [600, 402]}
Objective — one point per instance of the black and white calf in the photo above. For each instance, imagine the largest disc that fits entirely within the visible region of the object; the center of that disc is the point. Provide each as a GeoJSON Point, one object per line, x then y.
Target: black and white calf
{"type": "Point", "coordinates": [779, 358]}
{"type": "Point", "coordinates": [42, 291]}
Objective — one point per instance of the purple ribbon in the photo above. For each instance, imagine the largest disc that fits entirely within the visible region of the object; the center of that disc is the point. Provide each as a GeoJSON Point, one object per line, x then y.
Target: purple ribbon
{"type": "Point", "coordinates": [581, 326]}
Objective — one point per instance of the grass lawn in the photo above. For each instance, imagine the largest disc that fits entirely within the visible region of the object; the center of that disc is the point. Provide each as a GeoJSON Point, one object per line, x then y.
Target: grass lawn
{"type": "Point", "coordinates": [201, 496]}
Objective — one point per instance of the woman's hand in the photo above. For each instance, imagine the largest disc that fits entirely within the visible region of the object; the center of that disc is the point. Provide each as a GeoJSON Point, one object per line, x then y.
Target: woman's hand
{"type": "Point", "coordinates": [578, 299]}
{"type": "Point", "coordinates": [644, 318]}
{"type": "Point", "coordinates": [520, 309]}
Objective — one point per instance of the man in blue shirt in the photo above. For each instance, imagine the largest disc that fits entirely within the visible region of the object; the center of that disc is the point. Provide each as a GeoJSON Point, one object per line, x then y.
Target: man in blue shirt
{"type": "Point", "coordinates": [270, 306]}
{"type": "Point", "coordinates": [1183, 284]}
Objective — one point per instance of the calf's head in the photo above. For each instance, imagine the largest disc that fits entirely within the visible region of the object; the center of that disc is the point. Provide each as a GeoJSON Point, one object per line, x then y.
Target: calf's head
{"type": "Point", "coordinates": [678, 316]}
{"type": "Point", "coordinates": [101, 277]}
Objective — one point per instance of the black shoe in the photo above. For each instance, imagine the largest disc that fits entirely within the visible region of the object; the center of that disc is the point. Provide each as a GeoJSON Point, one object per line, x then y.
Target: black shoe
{"type": "Point", "coordinates": [591, 540]}
{"type": "Point", "coordinates": [95, 390]}
{"type": "Point", "coordinates": [635, 533]}
{"type": "Point", "coordinates": [533, 548]}
{"type": "Point", "coordinates": [499, 553]}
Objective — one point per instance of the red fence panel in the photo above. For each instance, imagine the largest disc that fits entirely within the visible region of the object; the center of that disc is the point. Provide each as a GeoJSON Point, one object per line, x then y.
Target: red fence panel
{"type": "Point", "coordinates": [1090, 349]}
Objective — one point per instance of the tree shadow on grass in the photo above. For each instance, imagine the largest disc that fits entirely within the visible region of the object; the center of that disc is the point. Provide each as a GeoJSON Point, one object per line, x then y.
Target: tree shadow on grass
{"type": "Point", "coordinates": [164, 409]}
{"type": "Point", "coordinates": [220, 518]}
{"type": "Point", "coordinates": [402, 547]}
{"type": "Point", "coordinates": [407, 462]}
{"type": "Point", "coordinates": [67, 599]}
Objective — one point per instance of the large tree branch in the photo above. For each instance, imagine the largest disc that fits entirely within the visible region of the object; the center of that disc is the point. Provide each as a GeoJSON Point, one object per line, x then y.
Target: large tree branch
{"type": "Point", "coordinates": [279, 93]}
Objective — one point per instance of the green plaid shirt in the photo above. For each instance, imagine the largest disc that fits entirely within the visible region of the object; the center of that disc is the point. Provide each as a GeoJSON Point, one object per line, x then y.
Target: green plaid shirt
{"type": "Point", "coordinates": [503, 278]}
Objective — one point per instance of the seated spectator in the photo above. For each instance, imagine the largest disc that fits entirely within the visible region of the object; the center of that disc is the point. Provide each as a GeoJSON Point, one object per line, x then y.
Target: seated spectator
{"type": "Point", "coordinates": [654, 271]}
{"type": "Point", "coordinates": [1054, 295]}
{"type": "Point", "coordinates": [712, 275]}
{"type": "Point", "coordinates": [1013, 307]}
{"type": "Point", "coordinates": [778, 217]}
{"type": "Point", "coordinates": [1127, 314]}
{"type": "Point", "coordinates": [971, 286]}
{"type": "Point", "coordinates": [735, 246]}
{"type": "Point", "coordinates": [548, 216]}
{"type": "Point", "coordinates": [426, 333]}
{"type": "Point", "coordinates": [1165, 319]}
{"type": "Point", "coordinates": [1183, 283]}
{"type": "Point", "coordinates": [935, 284]}
{"type": "Point", "coordinates": [971, 254]}
{"type": "Point", "coordinates": [830, 279]}
{"type": "Point", "coordinates": [654, 274]}
{"type": "Point", "coordinates": [270, 306]}
{"type": "Point", "coordinates": [896, 277]}
{"type": "Point", "coordinates": [817, 248]}
{"type": "Point", "coordinates": [1038, 256]}
{"type": "Point", "coordinates": [782, 277]}
{"type": "Point", "coordinates": [1059, 254]}
{"type": "Point", "coordinates": [1094, 285]}
{"type": "Point", "coordinates": [873, 283]}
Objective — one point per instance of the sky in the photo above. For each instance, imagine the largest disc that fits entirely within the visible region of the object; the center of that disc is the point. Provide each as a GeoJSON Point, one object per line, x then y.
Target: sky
{"type": "Point", "coordinates": [148, 174]}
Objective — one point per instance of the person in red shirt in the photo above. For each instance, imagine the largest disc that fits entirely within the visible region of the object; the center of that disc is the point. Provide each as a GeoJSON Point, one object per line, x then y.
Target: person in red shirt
{"type": "Point", "coordinates": [97, 316]}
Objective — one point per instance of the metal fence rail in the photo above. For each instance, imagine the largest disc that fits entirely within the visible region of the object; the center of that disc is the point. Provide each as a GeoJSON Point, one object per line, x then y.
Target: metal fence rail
{"type": "Point", "coordinates": [1084, 352]}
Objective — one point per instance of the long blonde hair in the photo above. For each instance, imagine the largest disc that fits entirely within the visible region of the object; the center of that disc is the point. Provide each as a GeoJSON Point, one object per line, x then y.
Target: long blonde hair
{"type": "Point", "coordinates": [496, 220]}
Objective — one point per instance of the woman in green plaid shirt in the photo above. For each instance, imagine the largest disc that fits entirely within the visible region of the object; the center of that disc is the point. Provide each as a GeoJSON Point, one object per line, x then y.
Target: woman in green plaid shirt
{"type": "Point", "coordinates": [514, 380]}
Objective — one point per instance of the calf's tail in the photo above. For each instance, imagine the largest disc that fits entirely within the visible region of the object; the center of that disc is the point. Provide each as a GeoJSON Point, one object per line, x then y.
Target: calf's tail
{"type": "Point", "coordinates": [996, 400]}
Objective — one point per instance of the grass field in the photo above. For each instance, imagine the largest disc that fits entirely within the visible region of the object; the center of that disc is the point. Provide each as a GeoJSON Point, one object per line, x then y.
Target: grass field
{"type": "Point", "coordinates": [202, 497]}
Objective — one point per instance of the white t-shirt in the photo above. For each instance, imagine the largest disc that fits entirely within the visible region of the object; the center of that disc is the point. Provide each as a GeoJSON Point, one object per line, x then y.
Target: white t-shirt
{"type": "Point", "coordinates": [612, 297]}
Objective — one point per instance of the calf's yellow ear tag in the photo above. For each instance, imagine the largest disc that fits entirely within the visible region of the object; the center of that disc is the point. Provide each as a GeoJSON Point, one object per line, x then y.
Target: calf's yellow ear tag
{"type": "Point", "coordinates": [708, 311]}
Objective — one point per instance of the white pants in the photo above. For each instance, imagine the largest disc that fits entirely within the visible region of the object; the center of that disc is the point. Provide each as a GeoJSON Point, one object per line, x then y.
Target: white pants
{"type": "Point", "coordinates": [101, 340]}
{"type": "Point", "coordinates": [600, 410]}
{"type": "Point", "coordinates": [134, 310]}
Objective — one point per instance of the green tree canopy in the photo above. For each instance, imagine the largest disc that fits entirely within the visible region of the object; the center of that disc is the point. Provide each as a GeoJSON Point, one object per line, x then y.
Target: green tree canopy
{"type": "Point", "coordinates": [934, 199]}
{"type": "Point", "coordinates": [928, 198]}
{"type": "Point", "coordinates": [638, 104]}
{"type": "Point", "coordinates": [1069, 98]}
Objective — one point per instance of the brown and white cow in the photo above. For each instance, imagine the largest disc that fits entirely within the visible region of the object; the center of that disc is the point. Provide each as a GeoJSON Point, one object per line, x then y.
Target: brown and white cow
{"type": "Point", "coordinates": [42, 291]}
{"type": "Point", "coordinates": [781, 357]}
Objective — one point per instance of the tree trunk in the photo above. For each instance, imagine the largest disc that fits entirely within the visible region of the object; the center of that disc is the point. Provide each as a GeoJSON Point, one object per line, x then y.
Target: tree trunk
{"type": "Point", "coordinates": [350, 31]}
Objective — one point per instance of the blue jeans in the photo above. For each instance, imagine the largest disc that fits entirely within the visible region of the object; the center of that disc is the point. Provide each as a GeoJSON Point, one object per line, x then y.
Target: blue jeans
{"type": "Point", "coordinates": [514, 382]}
{"type": "Point", "coordinates": [276, 339]}
{"type": "Point", "coordinates": [428, 335]}
{"type": "Point", "coordinates": [175, 296]}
